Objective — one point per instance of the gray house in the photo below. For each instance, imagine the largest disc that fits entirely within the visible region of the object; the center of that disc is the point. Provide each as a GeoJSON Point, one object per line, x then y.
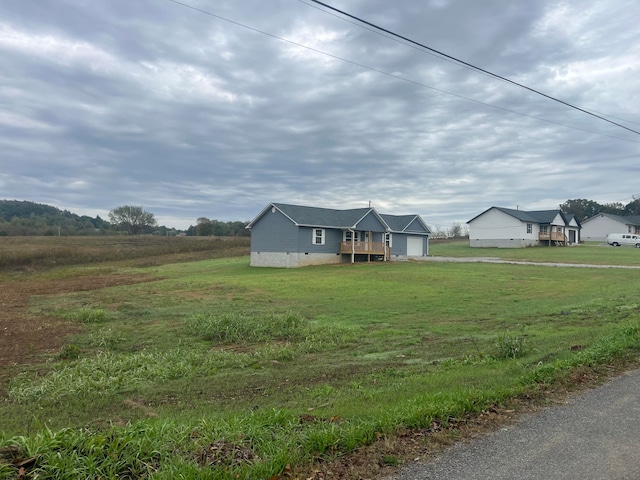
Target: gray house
{"type": "Point", "coordinates": [294, 236]}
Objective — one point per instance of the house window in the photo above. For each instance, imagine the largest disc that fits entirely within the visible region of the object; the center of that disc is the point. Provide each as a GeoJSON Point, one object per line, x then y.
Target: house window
{"type": "Point", "coordinates": [387, 239]}
{"type": "Point", "coordinates": [354, 235]}
{"type": "Point", "coordinates": [544, 228]}
{"type": "Point", "coordinates": [318, 236]}
{"type": "Point", "coordinates": [529, 228]}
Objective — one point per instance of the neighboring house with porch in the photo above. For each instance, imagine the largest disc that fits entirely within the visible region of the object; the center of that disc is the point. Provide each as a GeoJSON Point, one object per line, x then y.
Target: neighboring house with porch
{"type": "Point", "coordinates": [596, 228]}
{"type": "Point", "coordinates": [509, 228]}
{"type": "Point", "coordinates": [285, 235]}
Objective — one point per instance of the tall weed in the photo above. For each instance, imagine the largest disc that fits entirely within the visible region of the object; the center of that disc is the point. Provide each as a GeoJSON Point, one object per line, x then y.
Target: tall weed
{"type": "Point", "coordinates": [88, 314]}
{"type": "Point", "coordinates": [508, 345]}
{"type": "Point", "coordinates": [238, 328]}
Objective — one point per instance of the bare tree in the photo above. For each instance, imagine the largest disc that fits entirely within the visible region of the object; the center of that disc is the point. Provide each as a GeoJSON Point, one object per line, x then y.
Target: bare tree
{"type": "Point", "coordinates": [133, 219]}
{"type": "Point", "coordinates": [455, 231]}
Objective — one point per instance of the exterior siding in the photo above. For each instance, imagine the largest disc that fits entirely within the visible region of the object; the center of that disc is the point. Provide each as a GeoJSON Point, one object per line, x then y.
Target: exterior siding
{"type": "Point", "coordinates": [596, 229]}
{"type": "Point", "coordinates": [370, 223]}
{"type": "Point", "coordinates": [558, 221]}
{"type": "Point", "coordinates": [399, 247]}
{"type": "Point", "coordinates": [503, 243]}
{"type": "Point", "coordinates": [332, 239]}
{"type": "Point", "coordinates": [498, 229]}
{"type": "Point", "coordinates": [416, 226]}
{"type": "Point", "coordinates": [377, 236]}
{"type": "Point", "coordinates": [275, 233]}
{"type": "Point", "coordinates": [400, 250]}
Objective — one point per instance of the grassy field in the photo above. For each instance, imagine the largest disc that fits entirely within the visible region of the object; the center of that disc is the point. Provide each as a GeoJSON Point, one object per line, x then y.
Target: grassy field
{"type": "Point", "coordinates": [589, 253]}
{"type": "Point", "coordinates": [213, 369]}
{"type": "Point", "coordinates": [38, 252]}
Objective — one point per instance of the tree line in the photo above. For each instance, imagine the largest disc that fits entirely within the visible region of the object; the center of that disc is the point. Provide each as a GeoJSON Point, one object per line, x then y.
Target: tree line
{"type": "Point", "coordinates": [19, 217]}
{"type": "Point", "coordinates": [583, 208]}
{"type": "Point", "coordinates": [206, 227]}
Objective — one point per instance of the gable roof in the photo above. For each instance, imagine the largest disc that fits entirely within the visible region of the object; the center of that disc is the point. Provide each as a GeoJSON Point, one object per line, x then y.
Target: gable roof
{"type": "Point", "coordinates": [571, 217]}
{"type": "Point", "coordinates": [322, 217]}
{"type": "Point", "coordinates": [625, 219]}
{"type": "Point", "coordinates": [304, 216]}
{"type": "Point", "coordinates": [536, 216]}
{"type": "Point", "coordinates": [401, 223]}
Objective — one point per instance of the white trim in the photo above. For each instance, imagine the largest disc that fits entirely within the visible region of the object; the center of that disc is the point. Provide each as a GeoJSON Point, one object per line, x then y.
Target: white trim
{"type": "Point", "coordinates": [317, 234]}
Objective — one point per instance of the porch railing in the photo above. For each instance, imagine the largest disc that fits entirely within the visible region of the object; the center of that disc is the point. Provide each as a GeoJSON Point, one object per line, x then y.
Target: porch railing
{"type": "Point", "coordinates": [553, 236]}
{"type": "Point", "coordinates": [367, 248]}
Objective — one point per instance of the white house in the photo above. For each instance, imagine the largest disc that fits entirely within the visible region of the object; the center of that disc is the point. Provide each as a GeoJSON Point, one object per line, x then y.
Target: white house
{"type": "Point", "coordinates": [508, 228]}
{"type": "Point", "coordinates": [596, 228]}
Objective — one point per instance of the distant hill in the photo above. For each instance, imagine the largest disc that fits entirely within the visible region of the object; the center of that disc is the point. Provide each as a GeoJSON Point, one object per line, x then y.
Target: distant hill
{"type": "Point", "coordinates": [19, 217]}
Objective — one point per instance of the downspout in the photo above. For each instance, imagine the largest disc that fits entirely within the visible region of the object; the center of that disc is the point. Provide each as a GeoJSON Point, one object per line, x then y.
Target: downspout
{"type": "Point", "coordinates": [384, 244]}
{"type": "Point", "coordinates": [353, 245]}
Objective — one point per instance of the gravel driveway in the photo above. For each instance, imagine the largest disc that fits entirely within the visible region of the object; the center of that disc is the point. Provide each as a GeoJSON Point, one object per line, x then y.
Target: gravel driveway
{"type": "Point", "coordinates": [518, 262]}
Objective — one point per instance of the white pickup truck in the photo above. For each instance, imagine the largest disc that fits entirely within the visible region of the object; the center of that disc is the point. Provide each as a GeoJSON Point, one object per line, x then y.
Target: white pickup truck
{"type": "Point", "coordinates": [618, 239]}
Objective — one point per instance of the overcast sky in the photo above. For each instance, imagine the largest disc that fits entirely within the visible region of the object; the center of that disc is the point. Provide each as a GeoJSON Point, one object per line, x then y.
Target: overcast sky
{"type": "Point", "coordinates": [215, 113]}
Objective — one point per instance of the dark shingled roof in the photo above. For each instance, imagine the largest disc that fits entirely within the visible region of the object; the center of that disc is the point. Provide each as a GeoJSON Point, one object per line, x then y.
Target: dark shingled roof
{"type": "Point", "coordinates": [322, 217]}
{"type": "Point", "coordinates": [334, 218]}
{"type": "Point", "coordinates": [626, 219]}
{"type": "Point", "coordinates": [537, 216]}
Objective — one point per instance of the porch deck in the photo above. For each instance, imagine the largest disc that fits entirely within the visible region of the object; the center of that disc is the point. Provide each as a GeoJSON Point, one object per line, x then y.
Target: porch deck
{"type": "Point", "coordinates": [558, 238]}
{"type": "Point", "coordinates": [364, 248]}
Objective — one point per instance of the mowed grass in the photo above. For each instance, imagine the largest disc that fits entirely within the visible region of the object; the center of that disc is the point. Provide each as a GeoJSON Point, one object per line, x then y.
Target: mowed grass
{"type": "Point", "coordinates": [219, 370]}
{"type": "Point", "coordinates": [588, 253]}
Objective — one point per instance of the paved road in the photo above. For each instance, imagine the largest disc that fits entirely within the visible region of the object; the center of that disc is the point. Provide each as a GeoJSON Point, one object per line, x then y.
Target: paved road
{"type": "Point", "coordinates": [595, 436]}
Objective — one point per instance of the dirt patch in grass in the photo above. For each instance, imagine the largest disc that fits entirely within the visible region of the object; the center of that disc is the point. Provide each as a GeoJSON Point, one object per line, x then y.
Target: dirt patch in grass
{"type": "Point", "coordinates": [25, 337]}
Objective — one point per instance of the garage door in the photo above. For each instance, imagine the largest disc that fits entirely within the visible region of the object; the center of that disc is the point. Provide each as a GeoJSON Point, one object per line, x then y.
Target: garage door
{"type": "Point", "coordinates": [414, 246]}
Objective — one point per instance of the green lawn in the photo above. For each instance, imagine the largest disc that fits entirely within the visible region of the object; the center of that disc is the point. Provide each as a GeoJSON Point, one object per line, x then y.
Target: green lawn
{"type": "Point", "coordinates": [589, 253]}
{"type": "Point", "coordinates": [219, 370]}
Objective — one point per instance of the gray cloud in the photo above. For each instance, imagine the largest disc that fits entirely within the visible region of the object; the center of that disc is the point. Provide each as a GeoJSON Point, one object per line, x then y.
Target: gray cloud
{"type": "Point", "coordinates": [156, 104]}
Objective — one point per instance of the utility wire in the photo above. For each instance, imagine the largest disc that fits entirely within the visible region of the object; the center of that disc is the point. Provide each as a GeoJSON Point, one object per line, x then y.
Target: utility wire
{"type": "Point", "coordinates": [397, 77]}
{"type": "Point", "coordinates": [422, 50]}
{"type": "Point", "coordinates": [377, 32]}
{"type": "Point", "coordinates": [462, 62]}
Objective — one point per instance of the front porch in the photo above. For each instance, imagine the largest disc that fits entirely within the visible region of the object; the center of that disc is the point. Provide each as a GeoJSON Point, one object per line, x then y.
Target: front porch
{"type": "Point", "coordinates": [553, 238]}
{"type": "Point", "coordinates": [370, 249]}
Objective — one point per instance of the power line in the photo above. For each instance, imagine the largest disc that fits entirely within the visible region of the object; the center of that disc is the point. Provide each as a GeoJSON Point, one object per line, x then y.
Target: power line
{"type": "Point", "coordinates": [427, 52]}
{"type": "Point", "coordinates": [392, 75]}
{"type": "Point", "coordinates": [462, 62]}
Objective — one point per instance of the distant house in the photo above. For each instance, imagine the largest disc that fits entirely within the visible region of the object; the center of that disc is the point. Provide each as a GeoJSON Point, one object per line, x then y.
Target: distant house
{"type": "Point", "coordinates": [294, 236]}
{"type": "Point", "coordinates": [597, 228]}
{"type": "Point", "coordinates": [508, 228]}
